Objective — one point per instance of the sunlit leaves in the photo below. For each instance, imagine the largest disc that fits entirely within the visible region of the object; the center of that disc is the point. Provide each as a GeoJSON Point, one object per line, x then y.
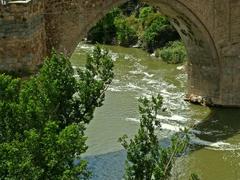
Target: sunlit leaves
{"type": "Point", "coordinates": [42, 119]}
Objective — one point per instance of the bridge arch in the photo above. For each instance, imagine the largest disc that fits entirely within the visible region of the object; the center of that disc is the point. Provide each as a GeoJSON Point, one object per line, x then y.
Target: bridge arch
{"type": "Point", "coordinates": [203, 64]}
{"type": "Point", "coordinates": [209, 29]}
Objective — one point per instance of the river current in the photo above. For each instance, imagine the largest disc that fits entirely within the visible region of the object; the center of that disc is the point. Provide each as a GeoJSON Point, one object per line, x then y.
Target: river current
{"type": "Point", "coordinates": [215, 138]}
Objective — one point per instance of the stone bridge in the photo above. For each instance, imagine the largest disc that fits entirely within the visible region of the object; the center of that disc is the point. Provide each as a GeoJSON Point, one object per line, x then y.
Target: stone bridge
{"type": "Point", "coordinates": [210, 30]}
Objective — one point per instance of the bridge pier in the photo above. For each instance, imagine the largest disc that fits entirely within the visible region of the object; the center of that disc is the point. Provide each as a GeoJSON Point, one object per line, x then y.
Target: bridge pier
{"type": "Point", "coordinates": [22, 36]}
{"type": "Point", "coordinates": [209, 29]}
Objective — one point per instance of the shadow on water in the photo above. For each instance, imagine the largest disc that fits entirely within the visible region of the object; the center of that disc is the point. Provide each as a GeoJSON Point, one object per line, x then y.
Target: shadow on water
{"type": "Point", "coordinates": [221, 124]}
{"type": "Point", "coordinates": [108, 166]}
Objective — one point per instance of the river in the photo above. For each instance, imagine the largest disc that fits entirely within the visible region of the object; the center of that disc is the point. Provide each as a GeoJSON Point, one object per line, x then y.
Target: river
{"type": "Point", "coordinates": [215, 138]}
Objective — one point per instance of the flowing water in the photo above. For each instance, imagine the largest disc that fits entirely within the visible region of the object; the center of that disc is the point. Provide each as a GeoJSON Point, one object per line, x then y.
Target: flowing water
{"type": "Point", "coordinates": [215, 138]}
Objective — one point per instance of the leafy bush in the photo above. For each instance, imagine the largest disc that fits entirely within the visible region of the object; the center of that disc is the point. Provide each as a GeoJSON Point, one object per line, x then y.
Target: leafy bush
{"type": "Point", "coordinates": [157, 30]}
{"type": "Point", "coordinates": [173, 53]}
{"type": "Point", "coordinates": [126, 34]}
{"type": "Point", "coordinates": [9, 88]}
{"type": "Point", "coordinates": [146, 16]}
{"type": "Point", "coordinates": [42, 125]}
{"type": "Point", "coordinates": [152, 34]}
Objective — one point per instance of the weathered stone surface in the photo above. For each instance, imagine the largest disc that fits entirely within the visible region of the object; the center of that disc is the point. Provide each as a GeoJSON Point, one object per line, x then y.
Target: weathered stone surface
{"type": "Point", "coordinates": [209, 29]}
{"type": "Point", "coordinates": [22, 36]}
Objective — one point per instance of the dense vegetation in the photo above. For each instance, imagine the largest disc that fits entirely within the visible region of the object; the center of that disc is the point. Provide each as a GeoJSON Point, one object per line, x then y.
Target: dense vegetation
{"type": "Point", "coordinates": [132, 23]}
{"type": "Point", "coordinates": [140, 25]}
{"type": "Point", "coordinates": [173, 52]}
{"type": "Point", "coordinates": [42, 119]}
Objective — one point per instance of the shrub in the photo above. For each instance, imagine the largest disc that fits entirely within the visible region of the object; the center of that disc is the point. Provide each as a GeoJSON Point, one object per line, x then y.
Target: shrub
{"type": "Point", "coordinates": [146, 16]}
{"type": "Point", "coordinates": [126, 34]}
{"type": "Point", "coordinates": [173, 53]}
{"type": "Point", "coordinates": [158, 32]}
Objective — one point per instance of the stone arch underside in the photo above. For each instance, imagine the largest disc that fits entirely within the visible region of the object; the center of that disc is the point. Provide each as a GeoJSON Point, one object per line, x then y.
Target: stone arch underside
{"type": "Point", "coordinates": [209, 29]}
{"type": "Point", "coordinates": [66, 30]}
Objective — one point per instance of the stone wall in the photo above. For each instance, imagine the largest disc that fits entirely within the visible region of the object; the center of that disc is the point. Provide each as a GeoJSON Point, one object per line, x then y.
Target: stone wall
{"type": "Point", "coordinates": [209, 29]}
{"type": "Point", "coordinates": [68, 21]}
{"type": "Point", "coordinates": [22, 36]}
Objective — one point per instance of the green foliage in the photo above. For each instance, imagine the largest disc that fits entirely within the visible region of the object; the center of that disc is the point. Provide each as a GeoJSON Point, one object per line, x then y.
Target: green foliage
{"type": "Point", "coordinates": [126, 34]}
{"type": "Point", "coordinates": [132, 23]}
{"type": "Point", "coordinates": [152, 34]}
{"type": "Point", "coordinates": [42, 120]}
{"type": "Point", "coordinates": [93, 83]}
{"type": "Point", "coordinates": [158, 33]}
{"type": "Point", "coordinates": [9, 87]}
{"type": "Point", "coordinates": [173, 53]}
{"type": "Point", "coordinates": [146, 159]}
{"type": "Point", "coordinates": [146, 16]}
{"type": "Point", "coordinates": [105, 31]}
{"type": "Point", "coordinates": [45, 155]}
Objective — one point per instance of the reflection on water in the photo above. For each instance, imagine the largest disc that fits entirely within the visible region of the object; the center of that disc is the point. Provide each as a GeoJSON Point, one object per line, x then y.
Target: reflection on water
{"type": "Point", "coordinates": [214, 138]}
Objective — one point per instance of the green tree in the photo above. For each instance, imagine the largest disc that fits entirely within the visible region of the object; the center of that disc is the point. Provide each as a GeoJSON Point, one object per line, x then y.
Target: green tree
{"type": "Point", "coordinates": [146, 16]}
{"type": "Point", "coordinates": [157, 30]}
{"type": "Point", "coordinates": [126, 33]}
{"type": "Point", "coordinates": [146, 158]}
{"type": "Point", "coordinates": [42, 120]}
